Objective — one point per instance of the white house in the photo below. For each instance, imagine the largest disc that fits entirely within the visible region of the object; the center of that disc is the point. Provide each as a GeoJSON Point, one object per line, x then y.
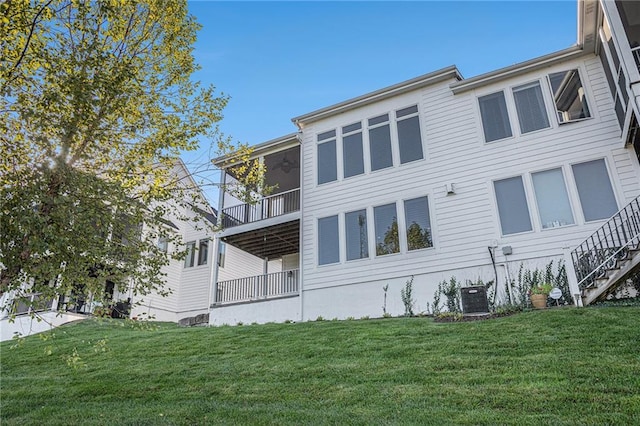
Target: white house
{"type": "Point", "coordinates": [441, 176]}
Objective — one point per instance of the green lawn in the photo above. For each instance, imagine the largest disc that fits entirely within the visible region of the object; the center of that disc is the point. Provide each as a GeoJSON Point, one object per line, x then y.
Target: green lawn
{"type": "Point", "coordinates": [559, 366]}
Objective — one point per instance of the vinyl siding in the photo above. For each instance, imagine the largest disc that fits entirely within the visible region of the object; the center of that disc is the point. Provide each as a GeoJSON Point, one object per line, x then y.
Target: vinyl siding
{"type": "Point", "coordinates": [465, 223]}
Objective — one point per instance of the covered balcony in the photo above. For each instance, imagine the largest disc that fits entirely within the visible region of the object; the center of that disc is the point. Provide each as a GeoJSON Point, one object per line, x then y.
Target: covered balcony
{"type": "Point", "coordinates": [268, 207]}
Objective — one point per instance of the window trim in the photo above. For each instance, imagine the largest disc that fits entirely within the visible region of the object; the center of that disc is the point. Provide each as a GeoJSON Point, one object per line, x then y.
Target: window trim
{"type": "Point", "coordinates": [339, 242]}
{"type": "Point", "coordinates": [203, 242]}
{"type": "Point", "coordinates": [405, 244]}
{"type": "Point", "coordinates": [509, 113]}
{"type": "Point", "coordinates": [190, 259]}
{"type": "Point", "coordinates": [545, 105]}
{"type": "Point", "coordinates": [614, 188]}
{"type": "Point", "coordinates": [327, 138]}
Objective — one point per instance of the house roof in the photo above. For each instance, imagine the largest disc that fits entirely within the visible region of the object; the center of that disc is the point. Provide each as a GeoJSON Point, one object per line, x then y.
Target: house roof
{"type": "Point", "coordinates": [277, 144]}
{"type": "Point", "coordinates": [517, 69]}
{"type": "Point", "coordinates": [387, 92]}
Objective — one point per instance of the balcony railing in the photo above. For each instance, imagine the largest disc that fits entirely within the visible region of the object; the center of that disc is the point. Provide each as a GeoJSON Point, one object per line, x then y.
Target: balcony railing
{"type": "Point", "coordinates": [259, 287]}
{"type": "Point", "coordinates": [607, 245]}
{"type": "Point", "coordinates": [271, 206]}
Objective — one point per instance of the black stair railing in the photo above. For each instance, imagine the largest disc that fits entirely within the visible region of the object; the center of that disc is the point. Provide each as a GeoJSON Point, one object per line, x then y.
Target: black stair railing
{"type": "Point", "coordinates": [609, 244]}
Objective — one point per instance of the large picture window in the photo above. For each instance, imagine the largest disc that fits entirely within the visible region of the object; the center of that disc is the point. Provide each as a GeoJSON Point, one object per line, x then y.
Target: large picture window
{"type": "Point", "coordinates": [328, 240]}
{"type": "Point", "coordinates": [418, 222]}
{"type": "Point", "coordinates": [512, 205]}
{"type": "Point", "coordinates": [327, 160]}
{"type": "Point", "coordinates": [532, 114]}
{"type": "Point", "coordinates": [409, 140]}
{"type": "Point", "coordinates": [552, 198]}
{"type": "Point", "coordinates": [352, 150]}
{"type": "Point", "coordinates": [380, 142]}
{"type": "Point", "coordinates": [386, 228]}
{"type": "Point", "coordinates": [356, 234]}
{"type": "Point", "coordinates": [594, 190]}
{"type": "Point", "coordinates": [569, 96]}
{"type": "Point", "coordinates": [495, 118]}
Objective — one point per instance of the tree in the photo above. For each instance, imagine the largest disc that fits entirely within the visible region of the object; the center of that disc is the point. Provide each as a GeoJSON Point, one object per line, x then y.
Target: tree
{"type": "Point", "coordinates": [97, 104]}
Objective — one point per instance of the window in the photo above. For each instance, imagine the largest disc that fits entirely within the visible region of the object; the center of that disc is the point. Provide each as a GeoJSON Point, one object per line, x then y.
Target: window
{"type": "Point", "coordinates": [222, 249]}
{"type": "Point", "coordinates": [512, 205]}
{"type": "Point", "coordinates": [352, 150]}
{"type": "Point", "coordinates": [416, 213]}
{"type": "Point", "coordinates": [386, 228]}
{"type": "Point", "coordinates": [552, 198]}
{"type": "Point", "coordinates": [163, 244]}
{"type": "Point", "coordinates": [569, 96]}
{"type": "Point", "coordinates": [203, 252]}
{"type": "Point", "coordinates": [532, 113]}
{"type": "Point", "coordinates": [409, 140]}
{"type": "Point", "coordinates": [495, 118]}
{"type": "Point", "coordinates": [380, 142]}
{"type": "Point", "coordinates": [594, 190]}
{"type": "Point", "coordinates": [327, 168]}
{"type": "Point", "coordinates": [191, 253]}
{"type": "Point", "coordinates": [356, 233]}
{"type": "Point", "coordinates": [328, 240]}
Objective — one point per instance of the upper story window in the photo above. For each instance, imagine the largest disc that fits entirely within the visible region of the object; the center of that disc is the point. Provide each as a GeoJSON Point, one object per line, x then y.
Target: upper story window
{"type": "Point", "coordinates": [222, 250]}
{"type": "Point", "coordinates": [409, 140]}
{"type": "Point", "coordinates": [163, 244]}
{"type": "Point", "coordinates": [352, 156]}
{"type": "Point", "coordinates": [569, 96]}
{"type": "Point", "coordinates": [380, 142]}
{"type": "Point", "coordinates": [327, 160]}
{"type": "Point", "coordinates": [532, 114]}
{"type": "Point", "coordinates": [495, 118]}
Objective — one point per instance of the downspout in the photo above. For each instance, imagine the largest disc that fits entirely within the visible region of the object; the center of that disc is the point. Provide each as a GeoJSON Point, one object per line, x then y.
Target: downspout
{"type": "Point", "coordinates": [300, 228]}
{"type": "Point", "coordinates": [495, 273]}
{"type": "Point", "coordinates": [213, 284]}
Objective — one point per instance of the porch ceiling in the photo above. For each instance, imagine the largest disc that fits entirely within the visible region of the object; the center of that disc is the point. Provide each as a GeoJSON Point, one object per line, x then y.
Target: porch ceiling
{"type": "Point", "coordinates": [272, 242]}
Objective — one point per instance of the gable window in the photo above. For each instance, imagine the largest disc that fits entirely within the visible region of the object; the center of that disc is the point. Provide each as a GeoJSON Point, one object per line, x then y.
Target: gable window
{"type": "Point", "coordinates": [356, 234]}
{"type": "Point", "coordinates": [203, 252]}
{"type": "Point", "coordinates": [569, 96]}
{"type": "Point", "coordinates": [189, 261]}
{"type": "Point", "coordinates": [513, 209]}
{"type": "Point", "coordinates": [327, 167]}
{"type": "Point", "coordinates": [552, 198]}
{"type": "Point", "coordinates": [380, 142]}
{"type": "Point", "coordinates": [328, 240]}
{"type": "Point", "coordinates": [532, 114]}
{"type": "Point", "coordinates": [386, 228]}
{"type": "Point", "coordinates": [495, 118]}
{"type": "Point", "coordinates": [352, 150]}
{"type": "Point", "coordinates": [409, 140]}
{"type": "Point", "coordinates": [594, 190]}
{"type": "Point", "coordinates": [416, 212]}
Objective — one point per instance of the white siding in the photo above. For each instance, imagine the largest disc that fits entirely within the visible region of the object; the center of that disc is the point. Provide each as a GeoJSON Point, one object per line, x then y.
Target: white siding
{"type": "Point", "coordinates": [465, 223]}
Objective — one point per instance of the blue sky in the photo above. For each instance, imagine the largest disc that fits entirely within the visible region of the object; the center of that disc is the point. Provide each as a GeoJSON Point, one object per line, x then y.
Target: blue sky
{"type": "Point", "coordinates": [278, 60]}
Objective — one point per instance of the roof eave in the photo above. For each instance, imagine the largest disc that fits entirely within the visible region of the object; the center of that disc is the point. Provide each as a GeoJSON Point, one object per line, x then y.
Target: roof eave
{"type": "Point", "coordinates": [277, 144]}
{"type": "Point", "coordinates": [378, 95]}
{"type": "Point", "coordinates": [517, 69]}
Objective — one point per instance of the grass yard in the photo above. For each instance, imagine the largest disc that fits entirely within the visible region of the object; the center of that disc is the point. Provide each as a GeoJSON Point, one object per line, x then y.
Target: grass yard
{"type": "Point", "coordinates": [559, 366]}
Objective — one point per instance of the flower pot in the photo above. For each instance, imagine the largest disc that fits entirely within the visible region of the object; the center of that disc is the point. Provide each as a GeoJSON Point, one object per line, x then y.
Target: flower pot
{"type": "Point", "coordinates": [539, 301]}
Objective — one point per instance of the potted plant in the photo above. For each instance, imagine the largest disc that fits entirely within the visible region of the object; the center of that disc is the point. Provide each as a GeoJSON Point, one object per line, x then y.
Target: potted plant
{"type": "Point", "coordinates": [539, 294]}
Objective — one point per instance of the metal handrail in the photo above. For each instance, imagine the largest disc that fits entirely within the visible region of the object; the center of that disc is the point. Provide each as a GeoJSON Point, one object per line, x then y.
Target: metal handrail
{"type": "Point", "coordinates": [265, 208]}
{"type": "Point", "coordinates": [607, 244]}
